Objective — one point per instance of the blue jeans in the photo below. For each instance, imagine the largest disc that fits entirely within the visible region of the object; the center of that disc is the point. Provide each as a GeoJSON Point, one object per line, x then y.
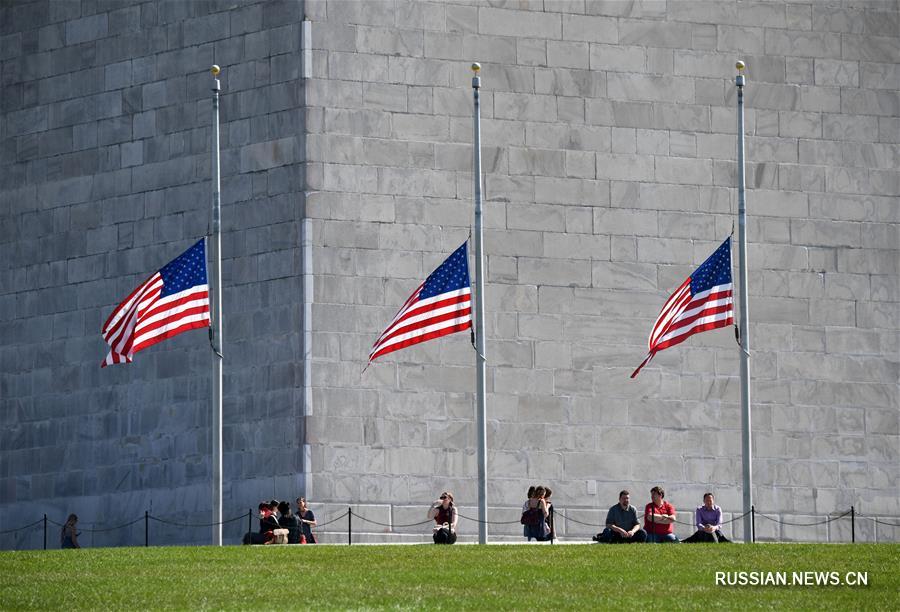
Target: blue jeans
{"type": "Point", "coordinates": [662, 539]}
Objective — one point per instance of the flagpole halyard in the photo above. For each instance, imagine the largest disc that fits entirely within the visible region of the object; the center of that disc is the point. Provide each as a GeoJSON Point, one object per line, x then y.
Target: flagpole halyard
{"type": "Point", "coordinates": [744, 347]}
{"type": "Point", "coordinates": [480, 360]}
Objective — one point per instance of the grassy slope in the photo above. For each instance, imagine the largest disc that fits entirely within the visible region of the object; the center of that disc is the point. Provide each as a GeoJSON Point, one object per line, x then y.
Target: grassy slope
{"type": "Point", "coordinates": [470, 577]}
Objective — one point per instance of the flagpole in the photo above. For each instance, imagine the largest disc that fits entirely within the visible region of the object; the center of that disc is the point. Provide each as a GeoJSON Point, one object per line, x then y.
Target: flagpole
{"type": "Point", "coordinates": [480, 422]}
{"type": "Point", "coordinates": [746, 434]}
{"type": "Point", "coordinates": [215, 250]}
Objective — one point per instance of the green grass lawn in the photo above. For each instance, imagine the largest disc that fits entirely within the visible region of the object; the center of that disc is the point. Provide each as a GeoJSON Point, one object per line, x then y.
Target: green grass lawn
{"type": "Point", "coordinates": [448, 577]}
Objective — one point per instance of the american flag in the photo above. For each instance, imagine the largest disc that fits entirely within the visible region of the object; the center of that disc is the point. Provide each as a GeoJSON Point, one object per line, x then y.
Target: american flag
{"type": "Point", "coordinates": [701, 303]}
{"type": "Point", "coordinates": [440, 306]}
{"type": "Point", "coordinates": [172, 301]}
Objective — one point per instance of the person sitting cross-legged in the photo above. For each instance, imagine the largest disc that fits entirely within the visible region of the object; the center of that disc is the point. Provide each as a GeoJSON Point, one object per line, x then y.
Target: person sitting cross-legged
{"type": "Point", "coordinates": [622, 525]}
{"type": "Point", "coordinates": [709, 522]}
{"type": "Point", "coordinates": [659, 518]}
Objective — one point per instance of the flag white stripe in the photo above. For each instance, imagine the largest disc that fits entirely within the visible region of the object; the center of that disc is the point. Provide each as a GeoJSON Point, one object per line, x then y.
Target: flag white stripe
{"type": "Point", "coordinates": [678, 313]}
{"type": "Point", "coordinates": [681, 331]}
{"type": "Point", "coordinates": [422, 331]}
{"type": "Point", "coordinates": [687, 314]}
{"type": "Point", "coordinates": [113, 335]}
{"type": "Point", "coordinates": [123, 309]}
{"type": "Point", "coordinates": [675, 306]}
{"type": "Point", "coordinates": [165, 314]}
{"type": "Point", "coordinates": [202, 316]}
{"type": "Point", "coordinates": [410, 305]}
{"type": "Point", "coordinates": [428, 315]}
{"type": "Point", "coordinates": [200, 300]}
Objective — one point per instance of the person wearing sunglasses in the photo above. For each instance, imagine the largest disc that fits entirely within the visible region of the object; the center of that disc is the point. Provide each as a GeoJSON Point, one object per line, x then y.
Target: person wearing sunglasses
{"type": "Point", "coordinates": [445, 516]}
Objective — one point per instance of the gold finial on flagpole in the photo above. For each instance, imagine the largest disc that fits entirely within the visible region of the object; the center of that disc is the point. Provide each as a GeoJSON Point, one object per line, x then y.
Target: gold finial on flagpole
{"type": "Point", "coordinates": [476, 67]}
{"type": "Point", "coordinates": [740, 66]}
{"type": "Point", "coordinates": [215, 70]}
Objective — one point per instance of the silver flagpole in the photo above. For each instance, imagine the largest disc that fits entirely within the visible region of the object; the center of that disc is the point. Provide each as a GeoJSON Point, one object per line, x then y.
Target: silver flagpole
{"type": "Point", "coordinates": [746, 436]}
{"type": "Point", "coordinates": [215, 256]}
{"type": "Point", "coordinates": [481, 423]}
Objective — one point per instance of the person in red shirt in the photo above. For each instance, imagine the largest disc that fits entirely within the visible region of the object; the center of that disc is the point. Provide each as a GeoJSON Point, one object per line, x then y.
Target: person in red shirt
{"type": "Point", "coordinates": [659, 518]}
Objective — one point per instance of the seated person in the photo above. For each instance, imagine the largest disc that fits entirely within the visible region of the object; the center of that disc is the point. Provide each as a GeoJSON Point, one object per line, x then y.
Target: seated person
{"type": "Point", "coordinates": [534, 516]}
{"type": "Point", "coordinates": [622, 525]}
{"type": "Point", "coordinates": [290, 522]}
{"type": "Point", "coordinates": [445, 517]}
{"type": "Point", "coordinates": [709, 522]}
{"type": "Point", "coordinates": [659, 518]}
{"type": "Point", "coordinates": [268, 520]}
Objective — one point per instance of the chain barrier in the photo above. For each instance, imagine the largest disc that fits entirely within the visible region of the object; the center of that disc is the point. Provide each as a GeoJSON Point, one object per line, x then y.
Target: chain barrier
{"type": "Point", "coordinates": [881, 522]}
{"type": "Point", "coordinates": [393, 526]}
{"type": "Point", "coordinates": [558, 513]}
{"type": "Point", "coordinates": [335, 520]}
{"type": "Point", "coordinates": [825, 522]}
{"type": "Point", "coordinates": [349, 513]}
{"type": "Point", "coordinates": [29, 526]}
{"type": "Point", "coordinates": [475, 520]}
{"type": "Point", "coordinates": [105, 529]}
{"type": "Point", "coordinates": [165, 522]}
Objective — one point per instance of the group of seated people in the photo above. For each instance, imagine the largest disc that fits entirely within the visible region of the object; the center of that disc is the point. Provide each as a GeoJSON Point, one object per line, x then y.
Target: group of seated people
{"type": "Point", "coordinates": [279, 525]}
{"type": "Point", "coordinates": [537, 515]}
{"type": "Point", "coordinates": [623, 526]}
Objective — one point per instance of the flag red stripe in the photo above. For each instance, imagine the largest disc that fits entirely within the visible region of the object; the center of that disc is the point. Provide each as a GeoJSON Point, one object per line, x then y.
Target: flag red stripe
{"type": "Point", "coordinates": [464, 308]}
{"type": "Point", "coordinates": [423, 338]}
{"type": "Point", "coordinates": [162, 305]}
{"type": "Point", "coordinates": [687, 314]}
{"type": "Point", "coordinates": [142, 330]}
{"type": "Point", "coordinates": [172, 332]}
{"type": "Point", "coordinates": [668, 315]}
{"type": "Point", "coordinates": [696, 330]}
{"type": "Point", "coordinates": [685, 321]}
{"type": "Point", "coordinates": [148, 294]}
{"type": "Point", "coordinates": [126, 303]}
{"type": "Point", "coordinates": [425, 328]}
{"type": "Point", "coordinates": [421, 308]}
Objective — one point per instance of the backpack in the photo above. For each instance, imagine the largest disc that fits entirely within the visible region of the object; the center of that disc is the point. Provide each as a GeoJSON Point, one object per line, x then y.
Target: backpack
{"type": "Point", "coordinates": [532, 517]}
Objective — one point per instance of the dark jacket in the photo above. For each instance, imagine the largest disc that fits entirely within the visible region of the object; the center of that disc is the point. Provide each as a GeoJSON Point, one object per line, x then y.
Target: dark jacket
{"type": "Point", "coordinates": [292, 524]}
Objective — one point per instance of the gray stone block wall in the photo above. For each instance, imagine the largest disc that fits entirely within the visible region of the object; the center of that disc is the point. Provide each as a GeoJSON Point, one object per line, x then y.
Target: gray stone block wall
{"type": "Point", "coordinates": [609, 138]}
{"type": "Point", "coordinates": [106, 132]}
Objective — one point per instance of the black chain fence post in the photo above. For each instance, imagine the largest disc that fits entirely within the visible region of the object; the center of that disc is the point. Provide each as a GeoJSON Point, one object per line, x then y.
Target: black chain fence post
{"type": "Point", "coordinates": [552, 524]}
{"type": "Point", "coordinates": [146, 528]}
{"type": "Point", "coordinates": [349, 525]}
{"type": "Point", "coordinates": [45, 531]}
{"type": "Point", "coordinates": [250, 520]}
{"type": "Point", "coordinates": [853, 524]}
{"type": "Point", "coordinates": [752, 524]}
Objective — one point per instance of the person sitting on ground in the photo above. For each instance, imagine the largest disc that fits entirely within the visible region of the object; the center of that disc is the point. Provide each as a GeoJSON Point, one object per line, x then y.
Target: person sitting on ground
{"type": "Point", "coordinates": [307, 522]}
{"type": "Point", "coordinates": [659, 518]}
{"type": "Point", "coordinates": [709, 522]}
{"type": "Point", "coordinates": [445, 517]}
{"type": "Point", "coordinates": [290, 522]}
{"type": "Point", "coordinates": [550, 515]}
{"type": "Point", "coordinates": [68, 537]}
{"type": "Point", "coordinates": [268, 520]}
{"type": "Point", "coordinates": [622, 525]}
{"type": "Point", "coordinates": [534, 516]}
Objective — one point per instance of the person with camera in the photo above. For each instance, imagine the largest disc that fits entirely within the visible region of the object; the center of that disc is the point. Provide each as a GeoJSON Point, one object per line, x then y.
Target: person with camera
{"type": "Point", "coordinates": [445, 516]}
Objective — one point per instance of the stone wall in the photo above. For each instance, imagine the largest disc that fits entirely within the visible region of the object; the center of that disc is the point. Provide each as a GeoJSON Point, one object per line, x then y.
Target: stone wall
{"type": "Point", "coordinates": [609, 144]}
{"type": "Point", "coordinates": [105, 174]}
